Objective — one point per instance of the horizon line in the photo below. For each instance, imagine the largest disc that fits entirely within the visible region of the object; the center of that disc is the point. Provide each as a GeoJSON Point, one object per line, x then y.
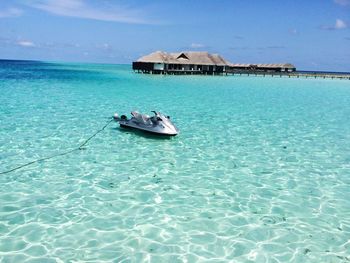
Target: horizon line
{"type": "Point", "coordinates": [110, 63]}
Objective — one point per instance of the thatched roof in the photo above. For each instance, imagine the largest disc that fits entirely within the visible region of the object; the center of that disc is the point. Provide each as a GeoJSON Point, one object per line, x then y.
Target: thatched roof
{"type": "Point", "coordinates": [240, 65]}
{"type": "Point", "coordinates": [155, 57]}
{"type": "Point", "coordinates": [187, 57]}
{"type": "Point", "coordinates": [201, 58]}
{"type": "Point", "coordinates": [281, 65]}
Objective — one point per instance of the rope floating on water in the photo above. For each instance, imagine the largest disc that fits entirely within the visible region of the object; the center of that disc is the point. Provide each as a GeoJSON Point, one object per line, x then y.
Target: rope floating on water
{"type": "Point", "coordinates": [80, 147]}
{"type": "Point", "coordinates": [92, 136]}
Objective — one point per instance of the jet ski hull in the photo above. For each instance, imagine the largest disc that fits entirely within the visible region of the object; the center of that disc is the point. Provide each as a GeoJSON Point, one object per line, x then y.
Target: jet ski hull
{"type": "Point", "coordinates": [159, 124]}
{"type": "Point", "coordinates": [147, 130]}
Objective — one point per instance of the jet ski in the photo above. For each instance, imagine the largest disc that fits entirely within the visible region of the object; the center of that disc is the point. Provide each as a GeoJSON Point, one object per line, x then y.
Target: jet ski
{"type": "Point", "coordinates": [158, 124]}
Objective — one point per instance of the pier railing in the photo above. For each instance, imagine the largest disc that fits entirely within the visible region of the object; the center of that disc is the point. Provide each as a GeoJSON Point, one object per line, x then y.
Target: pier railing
{"type": "Point", "coordinates": [252, 72]}
{"type": "Point", "coordinates": [294, 74]}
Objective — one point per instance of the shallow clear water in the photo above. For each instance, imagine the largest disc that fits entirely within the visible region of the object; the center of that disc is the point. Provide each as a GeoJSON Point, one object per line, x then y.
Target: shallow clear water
{"type": "Point", "coordinates": [259, 173]}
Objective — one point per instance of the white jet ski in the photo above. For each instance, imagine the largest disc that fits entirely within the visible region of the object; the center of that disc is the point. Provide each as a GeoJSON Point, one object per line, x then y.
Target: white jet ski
{"type": "Point", "coordinates": [158, 124]}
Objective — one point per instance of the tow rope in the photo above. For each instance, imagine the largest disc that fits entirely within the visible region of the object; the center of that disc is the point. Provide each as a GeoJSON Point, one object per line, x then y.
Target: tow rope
{"type": "Point", "coordinates": [80, 147]}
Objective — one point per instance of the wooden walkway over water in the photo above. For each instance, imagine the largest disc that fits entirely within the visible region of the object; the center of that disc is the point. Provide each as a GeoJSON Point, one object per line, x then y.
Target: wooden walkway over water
{"type": "Point", "coordinates": [295, 74]}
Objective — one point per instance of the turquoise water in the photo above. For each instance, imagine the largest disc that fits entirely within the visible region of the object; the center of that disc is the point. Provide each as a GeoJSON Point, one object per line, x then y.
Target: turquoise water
{"type": "Point", "coordinates": [260, 171]}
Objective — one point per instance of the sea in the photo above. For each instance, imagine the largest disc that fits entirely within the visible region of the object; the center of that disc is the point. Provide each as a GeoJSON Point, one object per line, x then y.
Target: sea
{"type": "Point", "coordinates": [260, 171]}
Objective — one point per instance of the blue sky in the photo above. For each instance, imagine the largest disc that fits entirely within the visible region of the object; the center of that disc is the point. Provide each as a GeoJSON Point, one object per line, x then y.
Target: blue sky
{"type": "Point", "coordinates": [313, 34]}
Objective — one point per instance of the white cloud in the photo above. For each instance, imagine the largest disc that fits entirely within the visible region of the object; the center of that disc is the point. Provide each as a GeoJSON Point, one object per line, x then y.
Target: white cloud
{"type": "Point", "coordinates": [11, 12]}
{"type": "Point", "coordinates": [340, 24]}
{"type": "Point", "coordinates": [86, 10]}
{"type": "Point", "coordinates": [342, 2]}
{"type": "Point", "coordinates": [25, 43]}
{"type": "Point", "coordinates": [196, 45]}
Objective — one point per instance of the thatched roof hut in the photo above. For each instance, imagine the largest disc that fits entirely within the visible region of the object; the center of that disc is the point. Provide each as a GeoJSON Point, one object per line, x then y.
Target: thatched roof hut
{"type": "Point", "coordinates": [195, 62]}
{"type": "Point", "coordinates": [186, 57]}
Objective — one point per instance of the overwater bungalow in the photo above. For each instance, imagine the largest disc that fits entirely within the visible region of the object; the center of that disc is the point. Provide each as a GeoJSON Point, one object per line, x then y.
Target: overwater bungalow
{"type": "Point", "coordinates": [193, 62]}
{"type": "Point", "coordinates": [285, 67]}
{"type": "Point", "coordinates": [181, 63]}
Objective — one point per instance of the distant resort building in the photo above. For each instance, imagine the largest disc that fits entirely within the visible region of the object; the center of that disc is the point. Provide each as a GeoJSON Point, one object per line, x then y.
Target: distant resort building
{"type": "Point", "coordinates": [181, 63]}
{"type": "Point", "coordinates": [193, 62]}
{"type": "Point", "coordinates": [286, 67]}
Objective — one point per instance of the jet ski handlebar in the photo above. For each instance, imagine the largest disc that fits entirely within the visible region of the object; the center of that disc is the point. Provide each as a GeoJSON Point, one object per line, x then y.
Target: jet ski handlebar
{"type": "Point", "coordinates": [156, 113]}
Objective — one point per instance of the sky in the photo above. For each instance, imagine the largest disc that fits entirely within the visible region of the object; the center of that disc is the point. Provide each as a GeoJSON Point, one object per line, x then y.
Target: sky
{"type": "Point", "coordinates": [312, 34]}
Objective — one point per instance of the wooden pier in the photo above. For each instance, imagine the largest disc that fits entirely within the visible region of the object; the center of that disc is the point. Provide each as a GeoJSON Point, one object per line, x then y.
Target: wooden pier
{"type": "Point", "coordinates": [295, 74]}
{"type": "Point", "coordinates": [204, 63]}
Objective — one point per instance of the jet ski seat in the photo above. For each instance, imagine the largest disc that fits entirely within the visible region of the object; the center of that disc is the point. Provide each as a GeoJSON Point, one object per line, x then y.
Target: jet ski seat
{"type": "Point", "coordinates": [145, 119]}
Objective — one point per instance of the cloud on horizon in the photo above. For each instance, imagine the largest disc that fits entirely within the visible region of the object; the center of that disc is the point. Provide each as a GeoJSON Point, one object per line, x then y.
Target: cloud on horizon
{"type": "Point", "coordinates": [11, 12]}
{"type": "Point", "coordinates": [16, 42]}
{"type": "Point", "coordinates": [25, 43]}
{"type": "Point", "coordinates": [84, 9]}
{"type": "Point", "coordinates": [197, 45]}
{"type": "Point", "coordinates": [339, 24]}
